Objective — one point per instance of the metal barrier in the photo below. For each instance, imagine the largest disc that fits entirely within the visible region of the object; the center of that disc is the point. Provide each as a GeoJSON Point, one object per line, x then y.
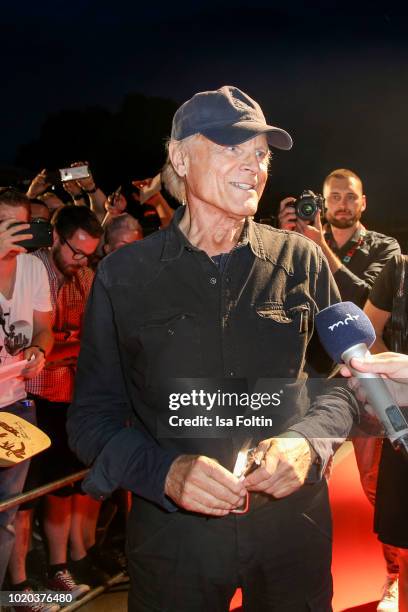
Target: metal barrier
{"type": "Point", "coordinates": [45, 490]}
{"type": "Point", "coordinates": [39, 491]}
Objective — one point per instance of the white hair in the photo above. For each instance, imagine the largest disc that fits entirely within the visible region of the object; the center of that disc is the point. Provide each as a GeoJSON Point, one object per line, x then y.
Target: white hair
{"type": "Point", "coordinates": [173, 182]}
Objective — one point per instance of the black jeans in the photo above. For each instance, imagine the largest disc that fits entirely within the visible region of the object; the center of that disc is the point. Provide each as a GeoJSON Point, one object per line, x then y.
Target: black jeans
{"type": "Point", "coordinates": [279, 553]}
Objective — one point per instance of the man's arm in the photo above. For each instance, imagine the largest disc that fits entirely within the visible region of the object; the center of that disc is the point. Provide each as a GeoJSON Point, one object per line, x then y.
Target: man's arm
{"type": "Point", "coordinates": [121, 456]}
{"type": "Point", "coordinates": [286, 461]}
{"type": "Point", "coordinates": [41, 344]}
{"type": "Point", "coordinates": [356, 289]}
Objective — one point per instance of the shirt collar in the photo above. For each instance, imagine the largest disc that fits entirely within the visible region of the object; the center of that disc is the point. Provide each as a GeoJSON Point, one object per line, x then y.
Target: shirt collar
{"type": "Point", "coordinates": [328, 234]}
{"type": "Point", "coordinates": [175, 241]}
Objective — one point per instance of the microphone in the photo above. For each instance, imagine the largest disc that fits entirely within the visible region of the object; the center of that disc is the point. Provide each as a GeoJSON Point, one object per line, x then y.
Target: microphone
{"type": "Point", "coordinates": [345, 332]}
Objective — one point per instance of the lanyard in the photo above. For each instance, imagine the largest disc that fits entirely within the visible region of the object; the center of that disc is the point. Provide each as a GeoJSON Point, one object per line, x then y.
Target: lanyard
{"type": "Point", "coordinates": [347, 257]}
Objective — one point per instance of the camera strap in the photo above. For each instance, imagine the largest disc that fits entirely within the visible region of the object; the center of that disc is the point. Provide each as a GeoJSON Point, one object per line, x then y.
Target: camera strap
{"type": "Point", "coordinates": [354, 247]}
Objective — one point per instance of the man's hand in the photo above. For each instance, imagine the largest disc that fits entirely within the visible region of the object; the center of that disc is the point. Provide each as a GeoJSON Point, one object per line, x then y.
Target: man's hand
{"type": "Point", "coordinates": [115, 204]}
{"type": "Point", "coordinates": [314, 230]}
{"type": "Point", "coordinates": [393, 367]}
{"type": "Point", "coordinates": [287, 216]}
{"type": "Point", "coordinates": [36, 362]}
{"type": "Point", "coordinates": [200, 484]}
{"type": "Point", "coordinates": [88, 183]}
{"type": "Point", "coordinates": [38, 185]}
{"type": "Point", "coordinates": [284, 465]}
{"type": "Point", "coordinates": [290, 221]}
{"type": "Point", "coordinates": [9, 241]}
{"type": "Point", "coordinates": [72, 188]}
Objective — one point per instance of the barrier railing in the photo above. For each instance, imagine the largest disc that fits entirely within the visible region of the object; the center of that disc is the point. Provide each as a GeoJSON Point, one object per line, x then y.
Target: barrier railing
{"type": "Point", "coordinates": [16, 500]}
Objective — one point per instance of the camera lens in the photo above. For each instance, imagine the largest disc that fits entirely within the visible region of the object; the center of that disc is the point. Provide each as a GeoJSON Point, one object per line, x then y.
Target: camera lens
{"type": "Point", "coordinates": [307, 210]}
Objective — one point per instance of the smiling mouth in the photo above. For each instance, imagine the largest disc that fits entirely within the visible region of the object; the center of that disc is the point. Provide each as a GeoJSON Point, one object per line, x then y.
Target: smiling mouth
{"type": "Point", "coordinates": [243, 186]}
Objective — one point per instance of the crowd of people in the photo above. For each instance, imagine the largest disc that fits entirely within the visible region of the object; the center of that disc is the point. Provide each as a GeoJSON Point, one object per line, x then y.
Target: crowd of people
{"type": "Point", "coordinates": [207, 296]}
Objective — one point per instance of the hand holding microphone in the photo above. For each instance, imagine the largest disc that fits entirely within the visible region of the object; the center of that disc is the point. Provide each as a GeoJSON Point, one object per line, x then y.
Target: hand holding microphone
{"type": "Point", "coordinates": [347, 333]}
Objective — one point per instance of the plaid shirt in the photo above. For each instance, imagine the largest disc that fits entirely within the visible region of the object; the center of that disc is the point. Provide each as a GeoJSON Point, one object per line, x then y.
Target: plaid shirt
{"type": "Point", "coordinates": [56, 383]}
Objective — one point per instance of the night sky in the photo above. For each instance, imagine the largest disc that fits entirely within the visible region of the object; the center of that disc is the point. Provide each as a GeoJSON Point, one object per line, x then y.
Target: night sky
{"type": "Point", "coordinates": [334, 74]}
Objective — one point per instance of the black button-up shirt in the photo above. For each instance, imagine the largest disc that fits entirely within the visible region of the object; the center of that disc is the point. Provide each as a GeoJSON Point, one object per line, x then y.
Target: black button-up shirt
{"type": "Point", "coordinates": [162, 317]}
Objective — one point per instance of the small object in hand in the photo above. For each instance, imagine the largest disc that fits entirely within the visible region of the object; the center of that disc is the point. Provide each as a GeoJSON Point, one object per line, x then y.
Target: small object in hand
{"type": "Point", "coordinates": [246, 463]}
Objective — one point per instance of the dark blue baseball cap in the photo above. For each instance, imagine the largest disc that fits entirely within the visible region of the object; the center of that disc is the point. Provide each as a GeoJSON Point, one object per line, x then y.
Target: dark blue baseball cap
{"type": "Point", "coordinates": [227, 116]}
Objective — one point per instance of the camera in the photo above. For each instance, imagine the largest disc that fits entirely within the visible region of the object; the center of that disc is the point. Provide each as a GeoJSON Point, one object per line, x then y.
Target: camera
{"type": "Point", "coordinates": [308, 205]}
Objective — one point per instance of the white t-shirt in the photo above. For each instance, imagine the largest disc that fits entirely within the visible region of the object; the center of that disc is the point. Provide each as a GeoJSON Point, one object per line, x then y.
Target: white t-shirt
{"type": "Point", "coordinates": [31, 292]}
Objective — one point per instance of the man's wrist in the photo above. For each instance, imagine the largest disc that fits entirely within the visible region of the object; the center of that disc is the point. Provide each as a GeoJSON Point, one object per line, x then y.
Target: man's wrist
{"type": "Point", "coordinates": [78, 196]}
{"type": "Point", "coordinates": [40, 348]}
{"type": "Point", "coordinates": [92, 190]}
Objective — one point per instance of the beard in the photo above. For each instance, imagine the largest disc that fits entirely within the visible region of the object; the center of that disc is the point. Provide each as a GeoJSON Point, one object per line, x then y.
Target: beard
{"type": "Point", "coordinates": [67, 270]}
{"type": "Point", "coordinates": [343, 222]}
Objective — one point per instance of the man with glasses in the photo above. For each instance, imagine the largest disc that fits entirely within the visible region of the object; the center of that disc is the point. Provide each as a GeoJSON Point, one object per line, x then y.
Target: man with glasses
{"type": "Point", "coordinates": [76, 235]}
{"type": "Point", "coordinates": [356, 257]}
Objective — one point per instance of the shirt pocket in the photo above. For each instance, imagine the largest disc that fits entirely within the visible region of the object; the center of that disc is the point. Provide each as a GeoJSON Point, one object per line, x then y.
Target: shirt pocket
{"type": "Point", "coordinates": [283, 336]}
{"type": "Point", "coordinates": [169, 346]}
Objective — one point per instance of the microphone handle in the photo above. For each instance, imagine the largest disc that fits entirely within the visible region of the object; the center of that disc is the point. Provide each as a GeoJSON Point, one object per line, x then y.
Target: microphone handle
{"type": "Point", "coordinates": [379, 397]}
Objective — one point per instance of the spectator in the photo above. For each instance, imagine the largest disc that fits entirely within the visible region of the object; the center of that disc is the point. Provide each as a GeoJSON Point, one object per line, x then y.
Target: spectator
{"type": "Point", "coordinates": [391, 504]}
{"type": "Point", "coordinates": [76, 236]}
{"type": "Point", "coordinates": [121, 230]}
{"type": "Point", "coordinates": [387, 308]}
{"type": "Point", "coordinates": [25, 333]}
{"type": "Point", "coordinates": [39, 210]}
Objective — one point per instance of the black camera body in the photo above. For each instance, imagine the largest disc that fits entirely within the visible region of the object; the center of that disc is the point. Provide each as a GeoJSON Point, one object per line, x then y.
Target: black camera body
{"type": "Point", "coordinates": [308, 205]}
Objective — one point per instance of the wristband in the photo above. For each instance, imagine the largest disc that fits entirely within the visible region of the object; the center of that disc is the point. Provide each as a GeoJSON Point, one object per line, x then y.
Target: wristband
{"type": "Point", "coordinates": [78, 196]}
{"type": "Point", "coordinates": [91, 190]}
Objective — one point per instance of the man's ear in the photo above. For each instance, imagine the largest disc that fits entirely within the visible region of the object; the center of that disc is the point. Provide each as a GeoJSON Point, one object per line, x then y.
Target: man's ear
{"type": "Point", "coordinates": [178, 158]}
{"type": "Point", "coordinates": [55, 237]}
{"type": "Point", "coordinates": [363, 202]}
{"type": "Point", "coordinates": [106, 248]}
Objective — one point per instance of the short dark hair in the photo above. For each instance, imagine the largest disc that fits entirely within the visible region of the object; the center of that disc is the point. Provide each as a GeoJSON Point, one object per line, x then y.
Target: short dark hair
{"type": "Point", "coordinates": [70, 218]}
{"type": "Point", "coordinates": [13, 197]}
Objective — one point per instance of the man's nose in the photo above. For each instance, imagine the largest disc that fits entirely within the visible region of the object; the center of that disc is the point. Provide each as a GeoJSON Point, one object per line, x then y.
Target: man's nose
{"type": "Point", "coordinates": [251, 162]}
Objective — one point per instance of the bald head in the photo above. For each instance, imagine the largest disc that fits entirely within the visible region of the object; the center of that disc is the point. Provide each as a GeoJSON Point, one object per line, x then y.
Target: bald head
{"type": "Point", "coordinates": [121, 230]}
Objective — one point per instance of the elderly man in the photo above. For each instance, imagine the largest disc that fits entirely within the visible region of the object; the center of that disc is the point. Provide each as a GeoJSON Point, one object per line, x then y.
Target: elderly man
{"type": "Point", "coordinates": [212, 308]}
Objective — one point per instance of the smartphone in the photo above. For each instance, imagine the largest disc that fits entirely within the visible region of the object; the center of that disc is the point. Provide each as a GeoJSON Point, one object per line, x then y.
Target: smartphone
{"type": "Point", "coordinates": [147, 189]}
{"type": "Point", "coordinates": [42, 235]}
{"type": "Point", "coordinates": [73, 174]}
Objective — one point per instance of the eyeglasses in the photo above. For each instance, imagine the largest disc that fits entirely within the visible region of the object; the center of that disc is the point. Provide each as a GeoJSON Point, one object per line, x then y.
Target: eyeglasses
{"type": "Point", "coordinates": [77, 255]}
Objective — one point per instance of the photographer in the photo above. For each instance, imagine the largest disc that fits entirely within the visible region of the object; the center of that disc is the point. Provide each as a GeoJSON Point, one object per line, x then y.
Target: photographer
{"type": "Point", "coordinates": [356, 255]}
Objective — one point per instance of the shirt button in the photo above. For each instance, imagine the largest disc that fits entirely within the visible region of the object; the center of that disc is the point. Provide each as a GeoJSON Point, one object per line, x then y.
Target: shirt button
{"type": "Point", "coordinates": [228, 279]}
{"type": "Point", "coordinates": [213, 280]}
{"type": "Point", "coordinates": [232, 373]}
